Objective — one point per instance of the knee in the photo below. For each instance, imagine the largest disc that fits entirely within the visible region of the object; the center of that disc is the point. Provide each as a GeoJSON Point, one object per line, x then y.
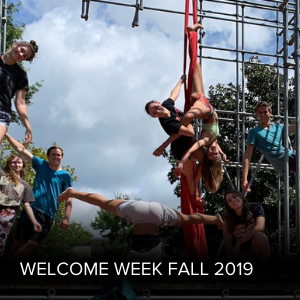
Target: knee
{"type": "Point", "coordinates": [189, 116]}
{"type": "Point", "coordinates": [260, 239]}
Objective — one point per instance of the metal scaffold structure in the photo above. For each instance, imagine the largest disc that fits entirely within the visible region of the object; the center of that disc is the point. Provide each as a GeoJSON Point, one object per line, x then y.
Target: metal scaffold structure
{"type": "Point", "coordinates": [283, 22]}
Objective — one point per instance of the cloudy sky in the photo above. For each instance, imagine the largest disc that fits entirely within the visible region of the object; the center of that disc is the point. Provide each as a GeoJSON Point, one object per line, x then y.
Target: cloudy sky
{"type": "Point", "coordinates": [97, 76]}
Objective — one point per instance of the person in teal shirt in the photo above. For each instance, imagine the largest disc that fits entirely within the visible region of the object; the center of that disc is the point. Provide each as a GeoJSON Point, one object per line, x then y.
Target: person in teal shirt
{"type": "Point", "coordinates": [50, 181]}
{"type": "Point", "coordinates": [267, 138]}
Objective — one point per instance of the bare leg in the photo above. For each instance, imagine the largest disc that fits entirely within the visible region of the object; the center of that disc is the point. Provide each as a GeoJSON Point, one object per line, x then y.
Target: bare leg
{"type": "Point", "coordinates": [3, 130]}
{"type": "Point", "coordinates": [91, 198]}
{"type": "Point", "coordinates": [197, 218]}
{"type": "Point", "coordinates": [260, 248]}
{"type": "Point", "coordinates": [188, 171]}
{"type": "Point", "coordinates": [17, 244]}
{"type": "Point", "coordinates": [24, 251]}
{"type": "Point", "coordinates": [196, 180]}
{"type": "Point", "coordinates": [198, 86]}
{"type": "Point", "coordinates": [198, 110]}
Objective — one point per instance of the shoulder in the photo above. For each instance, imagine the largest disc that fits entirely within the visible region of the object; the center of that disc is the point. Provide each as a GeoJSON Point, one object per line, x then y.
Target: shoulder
{"type": "Point", "coordinates": [255, 129]}
{"type": "Point", "coordinates": [37, 161]}
{"type": "Point", "coordinates": [18, 69]}
{"type": "Point", "coordinates": [279, 126]}
{"type": "Point", "coordinates": [168, 102]}
{"type": "Point", "coordinates": [64, 174]}
{"type": "Point", "coordinates": [25, 183]}
{"type": "Point", "coordinates": [257, 210]}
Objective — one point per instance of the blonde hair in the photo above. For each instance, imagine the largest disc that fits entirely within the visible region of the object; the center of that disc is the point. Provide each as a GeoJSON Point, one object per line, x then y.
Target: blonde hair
{"type": "Point", "coordinates": [212, 174]}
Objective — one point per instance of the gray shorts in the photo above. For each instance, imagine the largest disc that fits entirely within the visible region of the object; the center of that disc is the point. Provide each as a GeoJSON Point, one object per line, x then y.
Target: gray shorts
{"type": "Point", "coordinates": [143, 212]}
{"type": "Point", "coordinates": [5, 118]}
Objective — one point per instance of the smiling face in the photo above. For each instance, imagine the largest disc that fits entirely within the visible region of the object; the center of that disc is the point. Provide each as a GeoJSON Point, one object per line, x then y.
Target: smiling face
{"type": "Point", "coordinates": [156, 110]}
{"type": "Point", "coordinates": [21, 52]}
{"type": "Point", "coordinates": [263, 114]}
{"type": "Point", "coordinates": [212, 151]}
{"type": "Point", "coordinates": [54, 158]}
{"type": "Point", "coordinates": [234, 202]}
{"type": "Point", "coordinates": [17, 164]}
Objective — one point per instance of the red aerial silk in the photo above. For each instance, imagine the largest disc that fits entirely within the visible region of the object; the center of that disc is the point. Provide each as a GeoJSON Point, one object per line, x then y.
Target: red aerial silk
{"type": "Point", "coordinates": [194, 234]}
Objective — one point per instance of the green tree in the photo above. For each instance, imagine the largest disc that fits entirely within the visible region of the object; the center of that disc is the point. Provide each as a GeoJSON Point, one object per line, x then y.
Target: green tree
{"type": "Point", "coordinates": [116, 232]}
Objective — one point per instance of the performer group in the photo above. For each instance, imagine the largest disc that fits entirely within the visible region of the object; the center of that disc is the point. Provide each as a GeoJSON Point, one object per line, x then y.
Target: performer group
{"type": "Point", "coordinates": [243, 223]}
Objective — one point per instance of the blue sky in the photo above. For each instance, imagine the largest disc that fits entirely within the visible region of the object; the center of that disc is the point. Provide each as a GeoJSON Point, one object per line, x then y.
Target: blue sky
{"type": "Point", "coordinates": [97, 76]}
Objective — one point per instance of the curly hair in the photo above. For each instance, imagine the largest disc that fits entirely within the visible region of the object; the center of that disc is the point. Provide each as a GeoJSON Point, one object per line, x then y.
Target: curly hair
{"type": "Point", "coordinates": [11, 175]}
{"type": "Point", "coordinates": [212, 173]}
{"type": "Point", "coordinates": [230, 215]}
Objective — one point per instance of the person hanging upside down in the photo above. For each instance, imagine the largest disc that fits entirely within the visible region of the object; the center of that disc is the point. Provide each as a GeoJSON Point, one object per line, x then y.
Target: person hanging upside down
{"type": "Point", "coordinates": [178, 126]}
{"type": "Point", "coordinates": [146, 217]}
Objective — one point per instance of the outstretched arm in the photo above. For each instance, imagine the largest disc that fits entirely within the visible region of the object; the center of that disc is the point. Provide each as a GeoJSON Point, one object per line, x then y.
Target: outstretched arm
{"type": "Point", "coordinates": [223, 155]}
{"type": "Point", "coordinates": [176, 91]}
{"type": "Point", "coordinates": [246, 166]}
{"type": "Point", "coordinates": [22, 112]}
{"type": "Point", "coordinates": [187, 131]}
{"type": "Point", "coordinates": [36, 226]}
{"type": "Point", "coordinates": [66, 218]}
{"type": "Point", "coordinates": [197, 145]}
{"type": "Point", "coordinates": [258, 227]}
{"type": "Point", "coordinates": [19, 148]}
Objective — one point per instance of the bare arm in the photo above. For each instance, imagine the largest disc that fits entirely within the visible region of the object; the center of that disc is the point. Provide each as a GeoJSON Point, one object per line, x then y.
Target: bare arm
{"type": "Point", "coordinates": [195, 147]}
{"type": "Point", "coordinates": [246, 166]}
{"type": "Point", "coordinates": [187, 131]}
{"type": "Point", "coordinates": [227, 237]}
{"type": "Point", "coordinates": [176, 90]}
{"type": "Point", "coordinates": [223, 155]}
{"type": "Point", "coordinates": [66, 218]}
{"type": "Point", "coordinates": [37, 226]}
{"type": "Point", "coordinates": [19, 148]}
{"type": "Point", "coordinates": [22, 112]}
{"type": "Point", "coordinates": [259, 227]}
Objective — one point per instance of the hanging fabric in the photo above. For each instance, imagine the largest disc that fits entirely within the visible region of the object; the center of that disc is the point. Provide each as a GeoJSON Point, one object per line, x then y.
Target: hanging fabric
{"type": "Point", "coordinates": [194, 235]}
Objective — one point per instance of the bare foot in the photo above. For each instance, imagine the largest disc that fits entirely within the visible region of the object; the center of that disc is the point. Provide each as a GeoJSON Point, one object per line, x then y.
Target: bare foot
{"type": "Point", "coordinates": [194, 27]}
{"type": "Point", "coordinates": [65, 195]}
{"type": "Point", "coordinates": [199, 202]}
{"type": "Point", "coordinates": [219, 222]}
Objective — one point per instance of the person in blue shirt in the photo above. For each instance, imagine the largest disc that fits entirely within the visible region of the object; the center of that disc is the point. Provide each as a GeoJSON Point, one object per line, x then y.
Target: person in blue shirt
{"type": "Point", "coordinates": [50, 180]}
{"type": "Point", "coordinates": [267, 138]}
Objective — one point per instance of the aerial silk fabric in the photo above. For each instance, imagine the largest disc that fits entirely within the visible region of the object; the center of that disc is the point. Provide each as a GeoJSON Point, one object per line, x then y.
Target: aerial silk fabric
{"type": "Point", "coordinates": [194, 235]}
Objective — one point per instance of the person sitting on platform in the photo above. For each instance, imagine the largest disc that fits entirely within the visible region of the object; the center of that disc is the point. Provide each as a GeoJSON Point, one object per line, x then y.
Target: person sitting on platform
{"type": "Point", "coordinates": [243, 231]}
